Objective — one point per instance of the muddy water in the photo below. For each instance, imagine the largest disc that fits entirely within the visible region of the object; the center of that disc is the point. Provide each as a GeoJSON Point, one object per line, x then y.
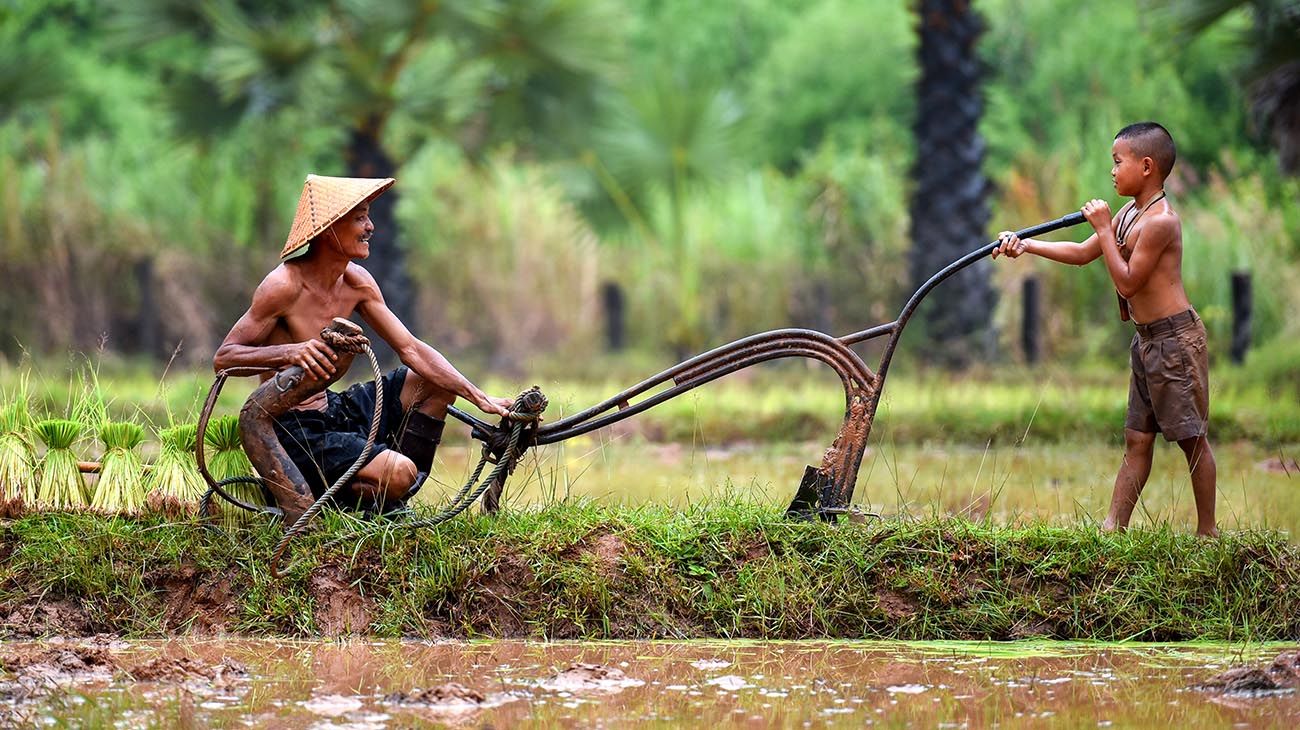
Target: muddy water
{"type": "Point", "coordinates": [518, 684]}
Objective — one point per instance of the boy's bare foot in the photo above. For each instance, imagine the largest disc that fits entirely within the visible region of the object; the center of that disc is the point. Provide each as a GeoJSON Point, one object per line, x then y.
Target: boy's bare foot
{"type": "Point", "coordinates": [1212, 532]}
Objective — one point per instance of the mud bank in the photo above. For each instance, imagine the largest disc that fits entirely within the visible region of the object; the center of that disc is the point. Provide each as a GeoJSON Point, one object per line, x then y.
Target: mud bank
{"type": "Point", "coordinates": [587, 571]}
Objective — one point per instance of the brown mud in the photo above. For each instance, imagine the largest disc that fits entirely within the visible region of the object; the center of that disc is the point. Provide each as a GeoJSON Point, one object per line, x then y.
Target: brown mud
{"type": "Point", "coordinates": [701, 684]}
{"type": "Point", "coordinates": [1282, 675]}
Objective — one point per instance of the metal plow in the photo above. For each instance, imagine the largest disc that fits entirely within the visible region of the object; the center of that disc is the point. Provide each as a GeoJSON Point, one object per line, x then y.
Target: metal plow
{"type": "Point", "coordinates": [824, 492]}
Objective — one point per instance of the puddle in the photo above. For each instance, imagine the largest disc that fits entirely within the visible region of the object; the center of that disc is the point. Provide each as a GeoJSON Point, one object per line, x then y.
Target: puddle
{"type": "Point", "coordinates": [375, 684]}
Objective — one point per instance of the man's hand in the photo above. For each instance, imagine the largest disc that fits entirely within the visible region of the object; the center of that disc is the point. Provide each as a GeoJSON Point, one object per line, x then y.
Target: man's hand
{"type": "Point", "coordinates": [1097, 211]}
{"type": "Point", "coordinates": [1011, 246]}
{"type": "Point", "coordinates": [496, 406]}
{"type": "Point", "coordinates": [314, 357]}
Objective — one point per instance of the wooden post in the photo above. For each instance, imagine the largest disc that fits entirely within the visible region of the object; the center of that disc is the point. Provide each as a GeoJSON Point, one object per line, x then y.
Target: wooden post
{"type": "Point", "coordinates": [615, 311]}
{"type": "Point", "coordinates": [1241, 300]}
{"type": "Point", "coordinates": [147, 320]}
{"type": "Point", "coordinates": [1030, 322]}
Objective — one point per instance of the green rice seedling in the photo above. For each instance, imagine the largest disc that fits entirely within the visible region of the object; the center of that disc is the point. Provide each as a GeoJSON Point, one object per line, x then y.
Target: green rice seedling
{"type": "Point", "coordinates": [175, 485]}
{"type": "Point", "coordinates": [229, 460]}
{"type": "Point", "coordinates": [61, 487]}
{"type": "Point", "coordinates": [17, 459]}
{"type": "Point", "coordinates": [120, 489]}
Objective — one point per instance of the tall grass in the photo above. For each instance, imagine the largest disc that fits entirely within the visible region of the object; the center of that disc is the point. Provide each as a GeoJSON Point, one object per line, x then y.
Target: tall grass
{"type": "Point", "coordinates": [62, 486]}
{"type": "Point", "coordinates": [174, 485]}
{"type": "Point", "coordinates": [17, 457]}
{"type": "Point", "coordinates": [120, 487]}
{"type": "Point", "coordinates": [229, 460]}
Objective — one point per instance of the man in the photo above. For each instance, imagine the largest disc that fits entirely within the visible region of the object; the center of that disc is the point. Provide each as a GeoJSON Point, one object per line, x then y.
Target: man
{"type": "Point", "coordinates": [1142, 248]}
{"type": "Point", "coordinates": [316, 282]}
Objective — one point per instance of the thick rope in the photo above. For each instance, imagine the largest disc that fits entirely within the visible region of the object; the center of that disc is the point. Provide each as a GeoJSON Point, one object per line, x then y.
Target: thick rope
{"type": "Point", "coordinates": [526, 411]}
{"type": "Point", "coordinates": [336, 340]}
{"type": "Point", "coordinates": [301, 523]}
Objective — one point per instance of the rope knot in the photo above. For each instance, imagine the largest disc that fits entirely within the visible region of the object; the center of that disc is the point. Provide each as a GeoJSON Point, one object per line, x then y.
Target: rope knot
{"type": "Point", "coordinates": [344, 335]}
{"type": "Point", "coordinates": [529, 405]}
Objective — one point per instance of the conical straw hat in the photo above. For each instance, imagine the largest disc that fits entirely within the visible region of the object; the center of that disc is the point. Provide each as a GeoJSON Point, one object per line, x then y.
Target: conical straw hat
{"type": "Point", "coordinates": [325, 200]}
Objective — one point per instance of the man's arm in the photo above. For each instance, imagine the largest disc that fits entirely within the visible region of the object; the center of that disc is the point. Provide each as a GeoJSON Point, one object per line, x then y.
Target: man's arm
{"type": "Point", "coordinates": [243, 346]}
{"type": "Point", "coordinates": [1131, 276]}
{"type": "Point", "coordinates": [421, 358]}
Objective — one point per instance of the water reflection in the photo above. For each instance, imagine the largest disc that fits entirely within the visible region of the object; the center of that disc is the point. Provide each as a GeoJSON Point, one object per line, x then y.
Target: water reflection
{"type": "Point", "coordinates": [365, 684]}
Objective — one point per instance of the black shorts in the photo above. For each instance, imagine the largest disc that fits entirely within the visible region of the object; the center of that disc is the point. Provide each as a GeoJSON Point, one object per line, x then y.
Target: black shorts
{"type": "Point", "coordinates": [324, 444]}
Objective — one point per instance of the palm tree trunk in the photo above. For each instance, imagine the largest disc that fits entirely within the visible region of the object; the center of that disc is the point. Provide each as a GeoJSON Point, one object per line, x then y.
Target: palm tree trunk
{"type": "Point", "coordinates": [949, 208]}
{"type": "Point", "coordinates": [366, 157]}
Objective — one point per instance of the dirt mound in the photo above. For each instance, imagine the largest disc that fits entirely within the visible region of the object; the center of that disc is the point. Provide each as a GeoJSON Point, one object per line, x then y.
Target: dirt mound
{"type": "Point", "coordinates": [1281, 676]}
{"type": "Point", "coordinates": [67, 659]}
{"type": "Point", "coordinates": [339, 606]}
{"type": "Point", "coordinates": [40, 670]}
{"type": "Point", "coordinates": [200, 602]}
{"type": "Point", "coordinates": [444, 694]}
{"type": "Point", "coordinates": [45, 618]}
{"type": "Point", "coordinates": [583, 677]}
{"type": "Point", "coordinates": [185, 669]}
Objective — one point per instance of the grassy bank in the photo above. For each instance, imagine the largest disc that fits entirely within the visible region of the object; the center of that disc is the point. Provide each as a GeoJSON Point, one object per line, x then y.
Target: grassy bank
{"type": "Point", "coordinates": [591, 571]}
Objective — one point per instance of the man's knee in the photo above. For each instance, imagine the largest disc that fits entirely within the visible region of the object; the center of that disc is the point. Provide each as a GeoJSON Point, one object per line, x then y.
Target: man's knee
{"type": "Point", "coordinates": [1139, 443]}
{"type": "Point", "coordinates": [393, 472]}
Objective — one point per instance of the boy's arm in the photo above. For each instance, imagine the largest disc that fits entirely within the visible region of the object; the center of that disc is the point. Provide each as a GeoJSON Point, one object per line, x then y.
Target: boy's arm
{"type": "Point", "coordinates": [1065, 252]}
{"type": "Point", "coordinates": [243, 346]}
{"type": "Point", "coordinates": [1131, 276]}
{"type": "Point", "coordinates": [425, 361]}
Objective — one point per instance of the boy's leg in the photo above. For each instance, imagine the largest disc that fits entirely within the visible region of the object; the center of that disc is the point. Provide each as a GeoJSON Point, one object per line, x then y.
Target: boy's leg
{"type": "Point", "coordinates": [1132, 477]}
{"type": "Point", "coordinates": [1204, 471]}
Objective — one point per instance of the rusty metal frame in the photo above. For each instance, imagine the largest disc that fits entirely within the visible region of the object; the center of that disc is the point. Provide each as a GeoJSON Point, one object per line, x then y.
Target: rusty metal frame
{"type": "Point", "coordinates": [826, 490]}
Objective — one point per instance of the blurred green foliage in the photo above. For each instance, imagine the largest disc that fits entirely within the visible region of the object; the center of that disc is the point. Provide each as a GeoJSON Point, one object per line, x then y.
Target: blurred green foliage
{"type": "Point", "coordinates": [738, 166]}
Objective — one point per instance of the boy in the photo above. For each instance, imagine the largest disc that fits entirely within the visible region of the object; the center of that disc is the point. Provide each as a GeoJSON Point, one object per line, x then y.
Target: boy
{"type": "Point", "coordinates": [1142, 248]}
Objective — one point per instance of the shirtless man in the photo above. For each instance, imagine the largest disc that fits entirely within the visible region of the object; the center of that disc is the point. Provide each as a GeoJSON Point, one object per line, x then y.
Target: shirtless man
{"type": "Point", "coordinates": [1142, 248]}
{"type": "Point", "coordinates": [316, 282]}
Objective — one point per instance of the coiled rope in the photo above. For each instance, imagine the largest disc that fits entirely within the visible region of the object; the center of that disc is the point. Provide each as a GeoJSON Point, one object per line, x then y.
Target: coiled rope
{"type": "Point", "coordinates": [353, 344]}
{"type": "Point", "coordinates": [524, 415]}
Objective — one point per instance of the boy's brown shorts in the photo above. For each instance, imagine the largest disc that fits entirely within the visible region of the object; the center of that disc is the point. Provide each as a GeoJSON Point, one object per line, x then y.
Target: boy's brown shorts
{"type": "Point", "coordinates": [1169, 392]}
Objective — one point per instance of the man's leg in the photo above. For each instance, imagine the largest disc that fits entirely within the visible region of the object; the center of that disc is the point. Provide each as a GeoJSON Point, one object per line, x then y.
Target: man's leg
{"type": "Point", "coordinates": [1200, 462]}
{"type": "Point", "coordinates": [1132, 477]}
{"type": "Point", "coordinates": [424, 408]}
{"type": "Point", "coordinates": [386, 479]}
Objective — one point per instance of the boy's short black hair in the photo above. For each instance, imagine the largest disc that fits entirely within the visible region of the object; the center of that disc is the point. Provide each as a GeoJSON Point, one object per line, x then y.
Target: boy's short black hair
{"type": "Point", "coordinates": [1150, 139]}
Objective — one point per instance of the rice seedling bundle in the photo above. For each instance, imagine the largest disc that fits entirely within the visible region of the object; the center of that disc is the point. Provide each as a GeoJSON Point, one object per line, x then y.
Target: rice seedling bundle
{"type": "Point", "coordinates": [175, 485]}
{"type": "Point", "coordinates": [120, 489]}
{"type": "Point", "coordinates": [227, 459]}
{"type": "Point", "coordinates": [61, 485]}
{"type": "Point", "coordinates": [17, 459]}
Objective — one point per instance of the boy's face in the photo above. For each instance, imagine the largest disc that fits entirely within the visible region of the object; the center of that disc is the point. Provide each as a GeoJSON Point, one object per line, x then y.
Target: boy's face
{"type": "Point", "coordinates": [351, 233]}
{"type": "Point", "coordinates": [1129, 170]}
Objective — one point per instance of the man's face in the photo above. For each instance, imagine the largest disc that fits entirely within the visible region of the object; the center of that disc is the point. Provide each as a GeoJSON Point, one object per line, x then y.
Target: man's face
{"type": "Point", "coordinates": [1129, 169]}
{"type": "Point", "coordinates": [351, 233]}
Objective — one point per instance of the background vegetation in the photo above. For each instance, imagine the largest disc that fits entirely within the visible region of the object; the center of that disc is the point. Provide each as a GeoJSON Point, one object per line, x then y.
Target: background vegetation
{"type": "Point", "coordinates": [733, 167]}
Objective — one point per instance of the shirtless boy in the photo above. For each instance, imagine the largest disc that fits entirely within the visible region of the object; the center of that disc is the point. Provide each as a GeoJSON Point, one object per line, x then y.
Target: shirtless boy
{"type": "Point", "coordinates": [1142, 248]}
{"type": "Point", "coordinates": [316, 282]}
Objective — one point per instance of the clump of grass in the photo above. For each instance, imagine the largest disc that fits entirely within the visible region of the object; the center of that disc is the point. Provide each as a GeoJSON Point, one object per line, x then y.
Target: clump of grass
{"type": "Point", "coordinates": [17, 458]}
{"type": "Point", "coordinates": [61, 486]}
{"type": "Point", "coordinates": [175, 485]}
{"type": "Point", "coordinates": [120, 489]}
{"type": "Point", "coordinates": [229, 460]}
